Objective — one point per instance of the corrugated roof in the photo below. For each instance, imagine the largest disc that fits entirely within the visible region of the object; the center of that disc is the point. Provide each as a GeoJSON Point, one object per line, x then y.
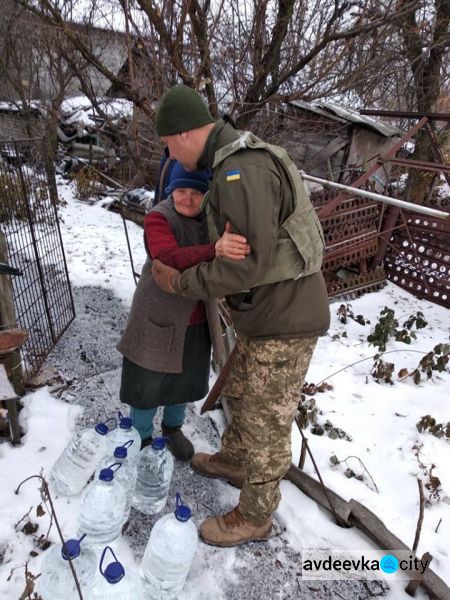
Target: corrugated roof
{"type": "Point", "coordinates": [344, 114]}
{"type": "Point", "coordinates": [354, 116]}
{"type": "Point", "coordinates": [315, 109]}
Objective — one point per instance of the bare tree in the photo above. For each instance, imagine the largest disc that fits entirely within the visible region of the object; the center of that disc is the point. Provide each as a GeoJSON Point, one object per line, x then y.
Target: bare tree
{"type": "Point", "coordinates": [242, 55]}
{"type": "Point", "coordinates": [24, 66]}
{"type": "Point", "coordinates": [246, 55]}
{"type": "Point", "coordinates": [426, 39]}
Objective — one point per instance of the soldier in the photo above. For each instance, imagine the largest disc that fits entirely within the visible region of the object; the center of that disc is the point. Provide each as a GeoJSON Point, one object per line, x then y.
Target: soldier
{"type": "Point", "coordinates": [276, 296]}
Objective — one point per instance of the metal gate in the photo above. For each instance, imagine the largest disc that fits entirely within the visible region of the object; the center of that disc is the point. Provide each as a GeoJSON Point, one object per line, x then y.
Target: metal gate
{"type": "Point", "coordinates": [29, 225]}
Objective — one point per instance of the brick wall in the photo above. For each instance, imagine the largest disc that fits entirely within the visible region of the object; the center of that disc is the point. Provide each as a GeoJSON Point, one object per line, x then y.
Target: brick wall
{"type": "Point", "coordinates": [13, 125]}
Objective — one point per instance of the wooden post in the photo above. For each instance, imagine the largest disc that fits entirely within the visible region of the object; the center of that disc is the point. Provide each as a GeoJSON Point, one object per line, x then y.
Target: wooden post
{"type": "Point", "coordinates": [8, 395]}
{"type": "Point", "coordinates": [13, 362]}
{"type": "Point", "coordinates": [413, 585]}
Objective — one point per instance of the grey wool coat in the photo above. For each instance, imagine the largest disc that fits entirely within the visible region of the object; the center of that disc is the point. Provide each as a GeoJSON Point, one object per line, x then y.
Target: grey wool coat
{"type": "Point", "coordinates": [156, 327]}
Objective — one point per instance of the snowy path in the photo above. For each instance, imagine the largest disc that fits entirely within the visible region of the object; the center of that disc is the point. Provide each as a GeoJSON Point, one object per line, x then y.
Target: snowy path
{"type": "Point", "coordinates": [254, 571]}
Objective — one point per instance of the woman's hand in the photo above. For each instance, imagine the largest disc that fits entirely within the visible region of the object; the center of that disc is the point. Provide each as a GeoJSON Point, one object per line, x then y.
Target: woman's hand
{"type": "Point", "coordinates": [232, 245]}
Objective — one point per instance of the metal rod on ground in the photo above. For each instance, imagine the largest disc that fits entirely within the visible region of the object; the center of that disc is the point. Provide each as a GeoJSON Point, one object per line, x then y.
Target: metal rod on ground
{"type": "Point", "coordinates": [135, 274]}
{"type": "Point", "coordinates": [420, 519]}
{"type": "Point", "coordinates": [301, 462]}
{"type": "Point", "coordinates": [341, 522]}
{"type": "Point", "coordinates": [425, 210]}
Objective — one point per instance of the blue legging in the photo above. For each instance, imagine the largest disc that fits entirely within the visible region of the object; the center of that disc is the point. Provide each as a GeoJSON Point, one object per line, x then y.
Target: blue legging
{"type": "Point", "coordinates": [173, 416]}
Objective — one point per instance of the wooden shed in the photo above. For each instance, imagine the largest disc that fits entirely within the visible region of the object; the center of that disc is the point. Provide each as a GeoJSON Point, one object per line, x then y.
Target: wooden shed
{"type": "Point", "coordinates": [332, 141]}
{"type": "Point", "coordinates": [336, 143]}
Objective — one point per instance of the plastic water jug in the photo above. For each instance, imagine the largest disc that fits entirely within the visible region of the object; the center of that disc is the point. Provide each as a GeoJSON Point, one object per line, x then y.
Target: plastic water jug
{"type": "Point", "coordinates": [126, 475]}
{"type": "Point", "coordinates": [56, 581]}
{"type": "Point", "coordinates": [122, 434]}
{"type": "Point", "coordinates": [114, 583]}
{"type": "Point", "coordinates": [79, 460]}
{"type": "Point", "coordinates": [154, 473]}
{"type": "Point", "coordinates": [169, 553]}
{"type": "Point", "coordinates": [102, 509]}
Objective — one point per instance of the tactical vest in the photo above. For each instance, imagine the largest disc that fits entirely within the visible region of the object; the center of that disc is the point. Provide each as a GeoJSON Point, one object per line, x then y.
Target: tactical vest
{"type": "Point", "coordinates": [300, 241]}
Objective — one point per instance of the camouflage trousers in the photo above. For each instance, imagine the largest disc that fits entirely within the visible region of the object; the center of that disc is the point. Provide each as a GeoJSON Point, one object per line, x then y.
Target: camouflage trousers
{"type": "Point", "coordinates": [263, 391]}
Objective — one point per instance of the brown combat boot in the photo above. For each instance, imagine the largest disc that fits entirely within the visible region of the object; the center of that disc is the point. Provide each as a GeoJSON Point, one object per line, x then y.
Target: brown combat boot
{"type": "Point", "coordinates": [233, 529]}
{"type": "Point", "coordinates": [215, 466]}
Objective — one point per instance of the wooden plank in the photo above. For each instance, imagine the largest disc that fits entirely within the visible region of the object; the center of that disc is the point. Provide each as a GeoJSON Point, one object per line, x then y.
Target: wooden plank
{"type": "Point", "coordinates": [8, 395]}
{"type": "Point", "coordinates": [6, 389]}
{"type": "Point", "coordinates": [325, 153]}
{"type": "Point", "coordinates": [8, 319]}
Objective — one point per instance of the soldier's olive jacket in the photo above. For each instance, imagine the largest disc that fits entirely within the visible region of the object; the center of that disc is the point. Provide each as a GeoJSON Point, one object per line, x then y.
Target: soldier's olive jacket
{"type": "Point", "coordinates": [251, 190]}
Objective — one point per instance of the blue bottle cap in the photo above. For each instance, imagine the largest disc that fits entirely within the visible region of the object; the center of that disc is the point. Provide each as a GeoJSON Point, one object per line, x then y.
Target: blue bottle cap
{"type": "Point", "coordinates": [183, 513]}
{"type": "Point", "coordinates": [125, 423]}
{"type": "Point", "coordinates": [114, 572]}
{"type": "Point", "coordinates": [101, 428]}
{"type": "Point", "coordinates": [120, 452]}
{"type": "Point", "coordinates": [106, 475]}
{"type": "Point", "coordinates": [71, 549]}
{"type": "Point", "coordinates": [159, 443]}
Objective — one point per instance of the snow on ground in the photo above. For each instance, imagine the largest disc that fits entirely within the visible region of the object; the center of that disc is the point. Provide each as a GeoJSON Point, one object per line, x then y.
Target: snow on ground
{"type": "Point", "coordinates": [95, 246]}
{"type": "Point", "coordinates": [380, 418]}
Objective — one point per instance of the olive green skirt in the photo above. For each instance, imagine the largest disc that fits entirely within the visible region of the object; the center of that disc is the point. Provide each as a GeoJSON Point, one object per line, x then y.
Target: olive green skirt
{"type": "Point", "coordinates": [143, 389]}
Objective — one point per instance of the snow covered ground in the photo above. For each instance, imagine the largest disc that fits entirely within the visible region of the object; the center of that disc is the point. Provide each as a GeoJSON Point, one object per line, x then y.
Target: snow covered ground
{"type": "Point", "coordinates": [379, 418]}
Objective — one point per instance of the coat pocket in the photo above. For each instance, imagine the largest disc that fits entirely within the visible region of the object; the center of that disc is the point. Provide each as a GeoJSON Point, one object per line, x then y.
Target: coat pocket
{"type": "Point", "coordinates": [157, 339]}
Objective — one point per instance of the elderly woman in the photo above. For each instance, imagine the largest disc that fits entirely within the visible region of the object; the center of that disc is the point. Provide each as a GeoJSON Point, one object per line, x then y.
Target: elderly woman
{"type": "Point", "coordinates": [166, 344]}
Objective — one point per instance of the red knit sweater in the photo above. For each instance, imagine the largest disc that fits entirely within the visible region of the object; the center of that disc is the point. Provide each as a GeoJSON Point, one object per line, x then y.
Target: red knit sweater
{"type": "Point", "coordinates": [162, 245]}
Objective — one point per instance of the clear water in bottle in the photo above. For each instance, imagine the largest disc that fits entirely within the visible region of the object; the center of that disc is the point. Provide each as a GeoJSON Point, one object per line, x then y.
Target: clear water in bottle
{"type": "Point", "coordinates": [56, 581]}
{"type": "Point", "coordinates": [169, 553]}
{"type": "Point", "coordinates": [102, 509]}
{"type": "Point", "coordinates": [154, 473]}
{"type": "Point", "coordinates": [114, 583]}
{"type": "Point", "coordinates": [79, 460]}
{"type": "Point", "coordinates": [122, 434]}
{"type": "Point", "coordinates": [126, 475]}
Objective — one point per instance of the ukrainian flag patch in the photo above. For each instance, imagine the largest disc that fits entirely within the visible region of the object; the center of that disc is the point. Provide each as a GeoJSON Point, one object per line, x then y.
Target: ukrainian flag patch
{"type": "Point", "coordinates": [233, 175]}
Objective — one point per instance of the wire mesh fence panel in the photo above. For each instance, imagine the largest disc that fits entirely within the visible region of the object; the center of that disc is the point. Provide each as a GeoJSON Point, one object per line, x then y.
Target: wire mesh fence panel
{"type": "Point", "coordinates": [29, 223]}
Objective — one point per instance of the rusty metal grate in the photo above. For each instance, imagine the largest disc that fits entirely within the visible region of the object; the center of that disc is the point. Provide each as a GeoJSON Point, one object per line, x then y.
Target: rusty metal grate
{"type": "Point", "coordinates": [352, 240]}
{"type": "Point", "coordinates": [29, 225]}
{"type": "Point", "coordinates": [418, 257]}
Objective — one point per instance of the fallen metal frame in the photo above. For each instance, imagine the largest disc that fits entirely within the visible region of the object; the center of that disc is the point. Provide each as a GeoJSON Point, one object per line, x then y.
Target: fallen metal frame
{"type": "Point", "coordinates": [395, 250]}
{"type": "Point", "coordinates": [425, 210]}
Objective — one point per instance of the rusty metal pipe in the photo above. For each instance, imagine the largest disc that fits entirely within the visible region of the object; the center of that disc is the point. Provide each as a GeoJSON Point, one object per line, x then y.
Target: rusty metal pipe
{"type": "Point", "coordinates": [425, 210]}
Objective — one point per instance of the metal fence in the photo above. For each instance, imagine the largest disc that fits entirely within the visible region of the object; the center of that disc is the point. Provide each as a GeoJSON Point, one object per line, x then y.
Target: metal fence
{"type": "Point", "coordinates": [418, 257]}
{"type": "Point", "coordinates": [351, 237]}
{"type": "Point", "coordinates": [29, 224]}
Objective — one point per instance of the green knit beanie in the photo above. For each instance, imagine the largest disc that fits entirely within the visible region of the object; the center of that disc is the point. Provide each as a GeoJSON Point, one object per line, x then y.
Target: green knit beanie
{"type": "Point", "coordinates": [181, 109]}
